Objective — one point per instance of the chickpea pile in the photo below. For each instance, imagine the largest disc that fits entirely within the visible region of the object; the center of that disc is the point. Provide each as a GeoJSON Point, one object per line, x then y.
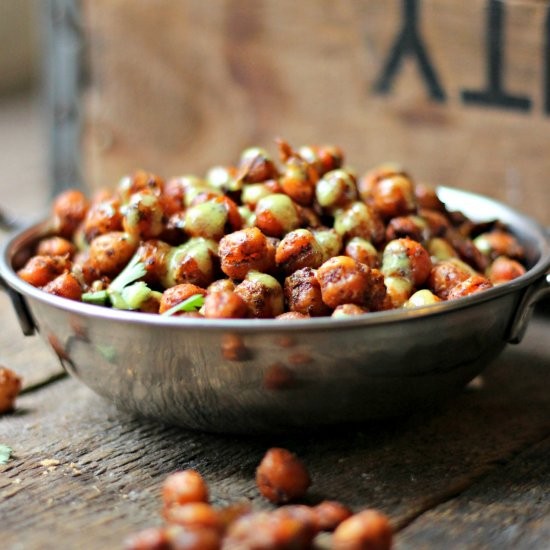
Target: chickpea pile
{"type": "Point", "coordinates": [192, 523]}
{"type": "Point", "coordinates": [302, 238]}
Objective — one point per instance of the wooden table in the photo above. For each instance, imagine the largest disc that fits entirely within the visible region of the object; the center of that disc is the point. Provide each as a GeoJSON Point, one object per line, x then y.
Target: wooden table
{"type": "Point", "coordinates": [474, 474]}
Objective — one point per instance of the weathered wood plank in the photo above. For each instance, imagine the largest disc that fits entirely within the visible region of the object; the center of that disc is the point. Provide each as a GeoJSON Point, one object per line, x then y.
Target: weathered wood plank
{"type": "Point", "coordinates": [510, 508]}
{"type": "Point", "coordinates": [111, 466]}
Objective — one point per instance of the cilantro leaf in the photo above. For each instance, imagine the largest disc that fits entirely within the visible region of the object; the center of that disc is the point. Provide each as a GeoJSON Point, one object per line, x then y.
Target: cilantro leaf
{"type": "Point", "coordinates": [193, 303]}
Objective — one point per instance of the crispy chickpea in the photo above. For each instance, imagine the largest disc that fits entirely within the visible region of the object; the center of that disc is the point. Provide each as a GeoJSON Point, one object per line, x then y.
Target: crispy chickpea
{"type": "Point", "coordinates": [246, 250]}
{"type": "Point", "coordinates": [140, 181]}
{"type": "Point", "coordinates": [298, 181]}
{"type": "Point", "coordinates": [193, 514]}
{"type": "Point", "coordinates": [359, 220]}
{"type": "Point", "coordinates": [504, 269]}
{"type": "Point", "coordinates": [298, 249]}
{"type": "Point", "coordinates": [154, 254]}
{"type": "Point", "coordinates": [276, 215]}
{"type": "Point", "coordinates": [440, 249]}
{"type": "Point", "coordinates": [413, 227]}
{"type": "Point", "coordinates": [69, 210]}
{"type": "Point", "coordinates": [253, 192]}
{"type": "Point", "coordinates": [194, 262]}
{"type": "Point", "coordinates": [406, 258]}
{"type": "Point", "coordinates": [102, 217]}
{"type": "Point", "coordinates": [176, 294]}
{"type": "Point", "coordinates": [152, 538]}
{"type": "Point", "coordinates": [471, 285]}
{"type": "Point", "coordinates": [143, 216]}
{"type": "Point", "coordinates": [65, 285]}
{"type": "Point", "coordinates": [499, 243]}
{"type": "Point", "coordinates": [224, 178]}
{"type": "Point", "coordinates": [348, 310]}
{"type": "Point", "coordinates": [394, 196]}
{"type": "Point", "coordinates": [224, 304]}
{"type": "Point", "coordinates": [262, 293]}
{"type": "Point", "coordinates": [193, 538]}
{"type": "Point", "coordinates": [426, 197]}
{"type": "Point", "coordinates": [256, 165]}
{"type": "Point", "coordinates": [303, 294]}
{"type": "Point", "coordinates": [437, 222]}
{"type": "Point", "coordinates": [368, 181]}
{"type": "Point", "coordinates": [330, 513]}
{"type": "Point", "coordinates": [367, 530]}
{"type": "Point", "coordinates": [467, 250]}
{"type": "Point", "coordinates": [343, 280]}
{"type": "Point", "coordinates": [447, 274]}
{"type": "Point", "coordinates": [109, 253]}
{"type": "Point", "coordinates": [172, 199]}
{"type": "Point", "coordinates": [398, 290]}
{"type": "Point", "coordinates": [207, 219]}
{"type": "Point", "coordinates": [221, 285]}
{"type": "Point", "coordinates": [281, 476]}
{"type": "Point", "coordinates": [330, 242]}
{"type": "Point", "coordinates": [183, 487]}
{"type": "Point", "coordinates": [10, 386]}
{"type": "Point", "coordinates": [56, 246]}
{"type": "Point", "coordinates": [323, 157]}
{"type": "Point", "coordinates": [292, 316]}
{"type": "Point", "coordinates": [268, 530]}
{"type": "Point", "coordinates": [336, 189]}
{"type": "Point", "coordinates": [422, 298]}
{"type": "Point", "coordinates": [362, 251]}
{"type": "Point", "coordinates": [40, 270]}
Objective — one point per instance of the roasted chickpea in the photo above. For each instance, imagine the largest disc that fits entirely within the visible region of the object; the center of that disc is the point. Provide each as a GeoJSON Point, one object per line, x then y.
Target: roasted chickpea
{"type": "Point", "coordinates": [298, 249]}
{"type": "Point", "coordinates": [348, 310]}
{"type": "Point", "coordinates": [413, 227]}
{"type": "Point", "coordinates": [471, 285]}
{"type": "Point", "coordinates": [224, 178]}
{"type": "Point", "coordinates": [324, 158]}
{"type": "Point", "coordinates": [69, 210]}
{"type": "Point", "coordinates": [504, 269]}
{"type": "Point", "coordinates": [398, 290]}
{"type": "Point", "coordinates": [447, 274]}
{"type": "Point", "coordinates": [276, 215]}
{"type": "Point", "coordinates": [143, 216]}
{"type": "Point", "coordinates": [394, 196]}
{"type": "Point", "coordinates": [154, 255]}
{"type": "Point", "coordinates": [194, 262]}
{"type": "Point", "coordinates": [426, 197]}
{"type": "Point", "coordinates": [140, 181]}
{"type": "Point", "coordinates": [183, 487]}
{"type": "Point", "coordinates": [55, 246]}
{"type": "Point", "coordinates": [330, 513]}
{"type": "Point", "coordinates": [303, 294]}
{"type": "Point", "coordinates": [193, 515]}
{"type": "Point", "coordinates": [336, 189]}
{"type": "Point", "coordinates": [298, 181]}
{"type": "Point", "coordinates": [281, 476]}
{"type": "Point", "coordinates": [40, 270]}
{"type": "Point", "coordinates": [193, 538]}
{"type": "Point", "coordinates": [422, 298]}
{"type": "Point", "coordinates": [262, 293]}
{"type": "Point", "coordinates": [440, 249]}
{"type": "Point", "coordinates": [330, 242]}
{"type": "Point", "coordinates": [224, 304]}
{"type": "Point", "coordinates": [408, 259]}
{"type": "Point", "coordinates": [65, 285]}
{"type": "Point", "coordinates": [102, 217]}
{"type": "Point", "coordinates": [109, 253]}
{"type": "Point", "coordinates": [207, 219]}
{"type": "Point", "coordinates": [362, 251]}
{"type": "Point", "coordinates": [10, 386]}
{"type": "Point", "coordinates": [256, 165]}
{"type": "Point", "coordinates": [437, 223]}
{"type": "Point", "coordinates": [221, 285]}
{"type": "Point", "coordinates": [499, 243]}
{"type": "Point", "coordinates": [343, 280]}
{"type": "Point", "coordinates": [246, 250]}
{"type": "Point", "coordinates": [152, 538]}
{"type": "Point", "coordinates": [368, 529]}
{"type": "Point", "coordinates": [359, 220]}
{"type": "Point", "coordinates": [176, 294]}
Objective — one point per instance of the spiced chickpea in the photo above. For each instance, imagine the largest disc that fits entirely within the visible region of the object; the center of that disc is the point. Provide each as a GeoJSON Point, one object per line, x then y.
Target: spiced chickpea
{"type": "Point", "coordinates": [298, 249]}
{"type": "Point", "coordinates": [348, 310]}
{"type": "Point", "coordinates": [102, 217]}
{"type": "Point", "coordinates": [276, 215]}
{"type": "Point", "coordinates": [69, 210]}
{"type": "Point", "coordinates": [176, 294]}
{"type": "Point", "coordinates": [224, 304]}
{"type": "Point", "coordinates": [394, 196]}
{"type": "Point", "coordinates": [446, 274]}
{"type": "Point", "coordinates": [262, 293]}
{"type": "Point", "coordinates": [56, 246]}
{"type": "Point", "coordinates": [303, 295]}
{"type": "Point", "coordinates": [143, 216]}
{"type": "Point", "coordinates": [193, 514]}
{"type": "Point", "coordinates": [343, 280]}
{"type": "Point", "coordinates": [40, 270]}
{"type": "Point", "coordinates": [109, 253]}
{"type": "Point", "coordinates": [336, 189]}
{"type": "Point", "coordinates": [193, 538]}
{"type": "Point", "coordinates": [246, 250]}
{"type": "Point", "coordinates": [413, 227]}
{"type": "Point", "coordinates": [281, 476]}
{"type": "Point", "coordinates": [224, 178]}
{"type": "Point", "coordinates": [422, 298]}
{"type": "Point", "coordinates": [440, 249]}
{"type": "Point", "coordinates": [65, 285]}
{"type": "Point", "coordinates": [298, 181]}
{"type": "Point", "coordinates": [471, 285]}
{"type": "Point", "coordinates": [359, 220]}
{"type": "Point", "coordinates": [139, 182]}
{"type": "Point", "coordinates": [329, 240]}
{"type": "Point", "coordinates": [368, 529]}
{"type": "Point", "coordinates": [184, 486]}
{"type": "Point", "coordinates": [152, 538]}
{"type": "Point", "coordinates": [362, 251]}
{"type": "Point", "coordinates": [437, 222]}
{"type": "Point", "coordinates": [367, 181]}
{"type": "Point", "coordinates": [256, 165]}
{"type": "Point", "coordinates": [504, 269]}
{"type": "Point", "coordinates": [154, 254]}
{"type": "Point", "coordinates": [406, 258]}
{"type": "Point", "coordinates": [499, 243]}
{"type": "Point", "coordinates": [221, 285]}
{"type": "Point", "coordinates": [426, 197]}
{"type": "Point", "coordinates": [324, 158]}
{"type": "Point", "coordinates": [330, 513]}
{"type": "Point", "coordinates": [10, 386]}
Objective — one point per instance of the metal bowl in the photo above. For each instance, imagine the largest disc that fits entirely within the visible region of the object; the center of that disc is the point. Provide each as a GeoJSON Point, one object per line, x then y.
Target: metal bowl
{"type": "Point", "coordinates": [264, 375]}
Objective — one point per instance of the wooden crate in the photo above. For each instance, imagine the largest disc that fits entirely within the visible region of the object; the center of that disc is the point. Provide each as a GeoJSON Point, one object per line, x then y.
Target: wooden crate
{"type": "Point", "coordinates": [457, 92]}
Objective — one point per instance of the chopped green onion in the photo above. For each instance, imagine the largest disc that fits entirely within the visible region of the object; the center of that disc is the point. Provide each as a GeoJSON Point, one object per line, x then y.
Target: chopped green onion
{"type": "Point", "coordinates": [193, 303]}
{"type": "Point", "coordinates": [134, 295]}
{"type": "Point", "coordinates": [98, 298]}
{"type": "Point", "coordinates": [134, 270]}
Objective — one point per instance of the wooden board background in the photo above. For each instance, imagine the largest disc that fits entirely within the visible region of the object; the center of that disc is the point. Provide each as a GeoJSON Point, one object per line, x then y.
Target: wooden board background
{"type": "Point", "coordinates": [178, 85]}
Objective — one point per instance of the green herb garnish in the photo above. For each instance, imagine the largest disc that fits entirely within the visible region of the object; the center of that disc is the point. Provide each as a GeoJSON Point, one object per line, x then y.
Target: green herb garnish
{"type": "Point", "coordinates": [193, 303]}
{"type": "Point", "coordinates": [5, 454]}
{"type": "Point", "coordinates": [123, 292]}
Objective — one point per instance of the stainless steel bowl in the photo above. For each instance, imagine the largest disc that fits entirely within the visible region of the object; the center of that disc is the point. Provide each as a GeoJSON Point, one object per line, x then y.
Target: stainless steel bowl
{"type": "Point", "coordinates": [266, 375]}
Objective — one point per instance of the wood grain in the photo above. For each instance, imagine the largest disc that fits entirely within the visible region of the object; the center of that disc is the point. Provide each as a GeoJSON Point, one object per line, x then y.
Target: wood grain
{"type": "Point", "coordinates": [107, 470]}
{"type": "Point", "coordinates": [185, 85]}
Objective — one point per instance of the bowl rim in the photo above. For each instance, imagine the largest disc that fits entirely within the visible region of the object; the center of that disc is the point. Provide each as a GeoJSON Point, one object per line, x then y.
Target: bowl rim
{"type": "Point", "coordinates": [538, 235]}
